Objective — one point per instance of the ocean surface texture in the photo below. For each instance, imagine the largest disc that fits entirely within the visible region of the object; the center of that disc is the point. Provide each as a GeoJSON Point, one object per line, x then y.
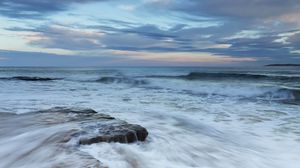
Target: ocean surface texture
{"type": "Point", "coordinates": [196, 117]}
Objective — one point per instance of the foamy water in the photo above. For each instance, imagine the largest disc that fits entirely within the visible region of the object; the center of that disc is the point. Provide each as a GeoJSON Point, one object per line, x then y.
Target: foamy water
{"type": "Point", "coordinates": [210, 122]}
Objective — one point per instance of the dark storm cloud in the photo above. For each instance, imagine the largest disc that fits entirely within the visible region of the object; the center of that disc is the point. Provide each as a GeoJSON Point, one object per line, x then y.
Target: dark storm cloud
{"type": "Point", "coordinates": [36, 8]}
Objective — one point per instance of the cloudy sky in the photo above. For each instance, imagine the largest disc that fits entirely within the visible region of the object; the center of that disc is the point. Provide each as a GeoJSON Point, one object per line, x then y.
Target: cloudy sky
{"type": "Point", "coordinates": [149, 32]}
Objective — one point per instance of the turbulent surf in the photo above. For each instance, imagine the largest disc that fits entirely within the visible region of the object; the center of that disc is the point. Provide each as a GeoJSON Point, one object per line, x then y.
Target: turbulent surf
{"type": "Point", "coordinates": [195, 117]}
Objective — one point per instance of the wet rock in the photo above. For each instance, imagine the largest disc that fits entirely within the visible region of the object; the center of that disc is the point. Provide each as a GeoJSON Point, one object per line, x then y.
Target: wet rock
{"type": "Point", "coordinates": [29, 78]}
{"type": "Point", "coordinates": [94, 127]}
{"type": "Point", "coordinates": [58, 134]}
{"type": "Point", "coordinates": [86, 125]}
{"type": "Point", "coordinates": [119, 131]}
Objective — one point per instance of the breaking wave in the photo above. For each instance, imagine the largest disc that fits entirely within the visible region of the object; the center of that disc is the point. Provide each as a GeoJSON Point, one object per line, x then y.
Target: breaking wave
{"type": "Point", "coordinates": [229, 76]}
{"type": "Point", "coordinates": [125, 80]}
{"type": "Point", "coordinates": [229, 90]}
{"type": "Point", "coordinates": [268, 94]}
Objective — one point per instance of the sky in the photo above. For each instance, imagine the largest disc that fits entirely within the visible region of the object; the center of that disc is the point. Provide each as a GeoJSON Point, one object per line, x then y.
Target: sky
{"type": "Point", "coordinates": [149, 32]}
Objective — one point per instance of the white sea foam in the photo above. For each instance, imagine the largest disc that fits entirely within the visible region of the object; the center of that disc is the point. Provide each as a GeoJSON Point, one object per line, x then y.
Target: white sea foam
{"type": "Point", "coordinates": [191, 124]}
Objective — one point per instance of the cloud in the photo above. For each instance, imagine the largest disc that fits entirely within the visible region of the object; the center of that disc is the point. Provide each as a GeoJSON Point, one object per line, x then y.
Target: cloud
{"type": "Point", "coordinates": [182, 39]}
{"type": "Point", "coordinates": [242, 9]}
{"type": "Point", "coordinates": [21, 58]}
{"type": "Point", "coordinates": [263, 30]}
{"type": "Point", "coordinates": [36, 8]}
{"type": "Point", "coordinates": [61, 37]}
{"type": "Point", "coordinates": [268, 47]}
{"type": "Point", "coordinates": [117, 58]}
{"type": "Point", "coordinates": [183, 57]}
{"type": "Point", "coordinates": [294, 40]}
{"type": "Point", "coordinates": [97, 37]}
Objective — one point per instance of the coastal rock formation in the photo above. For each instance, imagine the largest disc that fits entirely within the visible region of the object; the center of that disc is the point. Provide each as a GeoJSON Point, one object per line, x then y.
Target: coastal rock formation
{"type": "Point", "coordinates": [60, 132]}
{"type": "Point", "coordinates": [94, 127]}
{"type": "Point", "coordinates": [121, 132]}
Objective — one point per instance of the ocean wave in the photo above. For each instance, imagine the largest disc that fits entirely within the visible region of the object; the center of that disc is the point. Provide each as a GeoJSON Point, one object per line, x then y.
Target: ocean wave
{"type": "Point", "coordinates": [282, 94]}
{"type": "Point", "coordinates": [29, 78]}
{"type": "Point", "coordinates": [125, 80]}
{"type": "Point", "coordinates": [229, 76]}
{"type": "Point", "coordinates": [236, 91]}
{"type": "Point", "coordinates": [264, 93]}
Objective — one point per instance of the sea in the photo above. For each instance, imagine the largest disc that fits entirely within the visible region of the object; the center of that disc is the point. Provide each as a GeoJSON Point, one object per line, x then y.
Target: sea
{"type": "Point", "coordinates": [197, 117]}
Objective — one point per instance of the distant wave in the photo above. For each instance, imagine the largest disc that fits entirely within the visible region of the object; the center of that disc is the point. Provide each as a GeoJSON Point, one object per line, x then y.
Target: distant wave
{"type": "Point", "coordinates": [224, 76]}
{"type": "Point", "coordinates": [125, 80]}
{"type": "Point", "coordinates": [29, 78]}
{"type": "Point", "coordinates": [265, 94]}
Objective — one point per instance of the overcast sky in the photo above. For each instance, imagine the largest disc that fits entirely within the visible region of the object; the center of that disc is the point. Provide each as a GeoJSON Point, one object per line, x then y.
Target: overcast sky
{"type": "Point", "coordinates": [149, 32]}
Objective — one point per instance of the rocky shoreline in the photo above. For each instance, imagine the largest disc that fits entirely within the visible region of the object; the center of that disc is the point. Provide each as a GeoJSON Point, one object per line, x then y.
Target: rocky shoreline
{"type": "Point", "coordinates": [68, 129]}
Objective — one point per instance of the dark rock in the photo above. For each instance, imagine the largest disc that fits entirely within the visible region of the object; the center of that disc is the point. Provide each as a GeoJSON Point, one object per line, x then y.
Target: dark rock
{"type": "Point", "coordinates": [59, 131]}
{"type": "Point", "coordinates": [121, 132]}
{"type": "Point", "coordinates": [26, 78]}
{"type": "Point", "coordinates": [92, 127]}
{"type": "Point", "coordinates": [29, 78]}
{"type": "Point", "coordinates": [282, 65]}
